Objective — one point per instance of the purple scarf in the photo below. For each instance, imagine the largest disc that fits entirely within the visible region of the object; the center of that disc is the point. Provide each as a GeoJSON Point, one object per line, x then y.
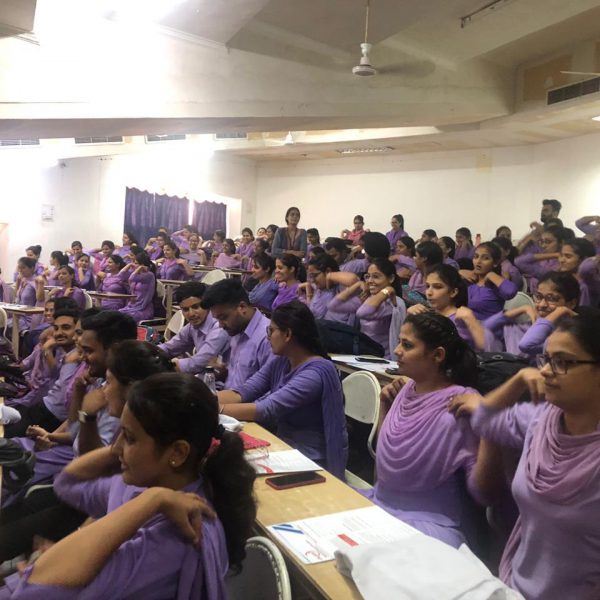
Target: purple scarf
{"type": "Point", "coordinates": [421, 445]}
{"type": "Point", "coordinates": [285, 294]}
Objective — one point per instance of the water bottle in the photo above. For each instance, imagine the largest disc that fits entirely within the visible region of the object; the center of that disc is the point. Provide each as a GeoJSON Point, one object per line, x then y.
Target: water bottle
{"type": "Point", "coordinates": [209, 380]}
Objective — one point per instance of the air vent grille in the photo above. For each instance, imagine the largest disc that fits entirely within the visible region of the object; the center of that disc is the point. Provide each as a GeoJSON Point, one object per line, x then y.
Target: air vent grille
{"type": "Point", "coordinates": [30, 142]}
{"type": "Point", "coordinates": [111, 139]}
{"type": "Point", "coordinates": [574, 90]}
{"type": "Point", "coordinates": [231, 136]}
{"type": "Point", "coordinates": [174, 137]}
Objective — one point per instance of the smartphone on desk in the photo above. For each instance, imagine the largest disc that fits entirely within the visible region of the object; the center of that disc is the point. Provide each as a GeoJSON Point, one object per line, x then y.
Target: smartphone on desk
{"type": "Point", "coordinates": [372, 359]}
{"type": "Point", "coordinates": [285, 482]}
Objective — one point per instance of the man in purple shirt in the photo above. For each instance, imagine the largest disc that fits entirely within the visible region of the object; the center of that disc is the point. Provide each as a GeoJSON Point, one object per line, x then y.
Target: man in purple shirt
{"type": "Point", "coordinates": [249, 347]}
{"type": "Point", "coordinates": [51, 411]}
{"type": "Point", "coordinates": [202, 335]}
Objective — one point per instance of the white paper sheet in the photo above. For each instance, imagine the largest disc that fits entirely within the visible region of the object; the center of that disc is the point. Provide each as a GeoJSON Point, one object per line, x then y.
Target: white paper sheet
{"type": "Point", "coordinates": [316, 540]}
{"type": "Point", "coordinates": [286, 461]}
{"type": "Point", "coordinates": [351, 360]}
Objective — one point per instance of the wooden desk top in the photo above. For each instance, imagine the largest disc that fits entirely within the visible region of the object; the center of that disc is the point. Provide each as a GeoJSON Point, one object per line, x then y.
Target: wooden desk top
{"type": "Point", "coordinates": [280, 506]}
{"type": "Point", "coordinates": [171, 281]}
{"type": "Point", "coordinates": [110, 295]}
{"type": "Point", "coordinates": [20, 309]}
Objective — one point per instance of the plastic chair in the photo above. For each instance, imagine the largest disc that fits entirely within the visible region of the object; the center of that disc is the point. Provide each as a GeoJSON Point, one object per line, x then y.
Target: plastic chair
{"type": "Point", "coordinates": [264, 575]}
{"type": "Point", "coordinates": [176, 322]}
{"type": "Point", "coordinates": [361, 390]}
{"type": "Point", "coordinates": [213, 276]}
{"type": "Point", "coordinates": [88, 300]}
{"type": "Point", "coordinates": [521, 299]}
{"type": "Point", "coordinates": [3, 321]}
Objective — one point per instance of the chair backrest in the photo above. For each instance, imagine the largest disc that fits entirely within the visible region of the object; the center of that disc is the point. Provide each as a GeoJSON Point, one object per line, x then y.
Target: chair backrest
{"type": "Point", "coordinates": [213, 276]}
{"type": "Point", "coordinates": [3, 321]}
{"type": "Point", "coordinates": [361, 391]}
{"type": "Point", "coordinates": [263, 576]}
{"type": "Point", "coordinates": [176, 322]}
{"type": "Point", "coordinates": [521, 299]}
{"type": "Point", "coordinates": [160, 289]}
{"type": "Point", "coordinates": [88, 300]}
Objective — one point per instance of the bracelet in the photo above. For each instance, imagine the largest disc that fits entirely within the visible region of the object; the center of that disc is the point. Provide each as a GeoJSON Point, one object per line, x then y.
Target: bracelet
{"type": "Point", "coordinates": [385, 292]}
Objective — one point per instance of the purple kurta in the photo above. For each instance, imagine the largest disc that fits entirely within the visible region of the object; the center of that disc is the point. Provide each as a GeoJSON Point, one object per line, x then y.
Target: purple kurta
{"type": "Point", "coordinates": [153, 564]}
{"type": "Point", "coordinates": [227, 262]}
{"type": "Point", "coordinates": [394, 236]}
{"type": "Point", "coordinates": [421, 450]}
{"type": "Point", "coordinates": [169, 269]}
{"type": "Point", "coordinates": [358, 266]}
{"type": "Point", "coordinates": [306, 405]}
{"type": "Point", "coordinates": [535, 269]}
{"type": "Point", "coordinates": [249, 351]}
{"type": "Point", "coordinates": [376, 322]}
{"type": "Point", "coordinates": [452, 263]}
{"type": "Point", "coordinates": [417, 283]}
{"type": "Point", "coordinates": [26, 295]}
{"type": "Point", "coordinates": [263, 294]}
{"type": "Point", "coordinates": [591, 230]}
{"type": "Point", "coordinates": [76, 294]}
{"type": "Point", "coordinates": [87, 283]}
{"type": "Point", "coordinates": [406, 262]}
{"type": "Point", "coordinates": [52, 278]}
{"type": "Point", "coordinates": [320, 301]}
{"type": "Point", "coordinates": [554, 550]}
{"type": "Point", "coordinates": [464, 252]}
{"type": "Point", "coordinates": [207, 342]}
{"type": "Point", "coordinates": [510, 333]}
{"type": "Point", "coordinates": [193, 258]}
{"type": "Point", "coordinates": [285, 294]}
{"type": "Point", "coordinates": [589, 282]}
{"type": "Point", "coordinates": [487, 300]}
{"type": "Point", "coordinates": [513, 273]}
{"type": "Point", "coordinates": [114, 284]}
{"type": "Point", "coordinates": [143, 285]}
{"type": "Point", "coordinates": [534, 339]}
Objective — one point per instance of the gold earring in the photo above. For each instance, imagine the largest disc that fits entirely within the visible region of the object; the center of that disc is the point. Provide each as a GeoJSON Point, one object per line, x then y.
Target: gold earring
{"type": "Point", "coordinates": [172, 463]}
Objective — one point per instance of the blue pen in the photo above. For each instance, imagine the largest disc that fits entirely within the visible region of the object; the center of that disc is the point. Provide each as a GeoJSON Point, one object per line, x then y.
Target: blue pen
{"type": "Point", "coordinates": [288, 528]}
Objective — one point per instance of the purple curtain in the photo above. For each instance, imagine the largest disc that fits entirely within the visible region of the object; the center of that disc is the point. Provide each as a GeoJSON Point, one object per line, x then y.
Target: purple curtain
{"type": "Point", "coordinates": [171, 212]}
{"type": "Point", "coordinates": [139, 214]}
{"type": "Point", "coordinates": [209, 216]}
{"type": "Point", "coordinates": [145, 212]}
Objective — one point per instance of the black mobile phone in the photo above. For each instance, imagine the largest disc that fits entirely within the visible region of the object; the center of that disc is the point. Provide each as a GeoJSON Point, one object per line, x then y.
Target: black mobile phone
{"type": "Point", "coordinates": [372, 359]}
{"type": "Point", "coordinates": [393, 371]}
{"type": "Point", "coordinates": [284, 482]}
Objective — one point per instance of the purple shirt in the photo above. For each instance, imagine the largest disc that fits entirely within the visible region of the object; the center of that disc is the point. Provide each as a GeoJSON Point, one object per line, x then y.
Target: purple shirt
{"type": "Point", "coordinates": [554, 550]}
{"type": "Point", "coordinates": [464, 252]}
{"type": "Point", "coordinates": [39, 376]}
{"type": "Point", "coordinates": [376, 322]}
{"type": "Point", "coordinates": [248, 351]}
{"type": "Point", "coordinates": [527, 264]}
{"type": "Point", "coordinates": [56, 399]}
{"type": "Point", "coordinates": [26, 295]}
{"type": "Point", "coordinates": [87, 283]}
{"type": "Point", "coordinates": [306, 405]}
{"type": "Point", "coordinates": [358, 266]}
{"type": "Point", "coordinates": [591, 230]}
{"type": "Point", "coordinates": [227, 262]}
{"type": "Point", "coordinates": [263, 294]}
{"type": "Point", "coordinates": [510, 333]}
{"type": "Point", "coordinates": [153, 564]}
{"type": "Point", "coordinates": [487, 300]}
{"type": "Point", "coordinates": [421, 450]}
{"type": "Point", "coordinates": [534, 339]}
{"type": "Point", "coordinates": [207, 341]}
{"type": "Point", "coordinates": [417, 282]}
{"type": "Point", "coordinates": [143, 285]}
{"type": "Point", "coordinates": [76, 294]}
{"type": "Point", "coordinates": [513, 273]}
{"type": "Point", "coordinates": [589, 282]}
{"type": "Point", "coordinates": [320, 301]}
{"type": "Point", "coordinates": [193, 258]}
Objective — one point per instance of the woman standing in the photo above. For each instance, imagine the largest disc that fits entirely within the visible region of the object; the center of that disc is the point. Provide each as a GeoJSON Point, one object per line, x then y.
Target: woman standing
{"type": "Point", "coordinates": [299, 391]}
{"type": "Point", "coordinates": [554, 549]}
{"type": "Point", "coordinates": [142, 283]}
{"type": "Point", "coordinates": [25, 289]}
{"type": "Point", "coordinates": [114, 281]}
{"type": "Point", "coordinates": [149, 539]}
{"type": "Point", "coordinates": [290, 239]}
{"type": "Point", "coordinates": [423, 451]}
{"type": "Point", "coordinates": [357, 233]}
{"type": "Point", "coordinates": [396, 232]}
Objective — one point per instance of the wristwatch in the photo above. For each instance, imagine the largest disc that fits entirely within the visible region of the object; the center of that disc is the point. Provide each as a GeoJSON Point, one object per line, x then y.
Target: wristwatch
{"type": "Point", "coordinates": [84, 417]}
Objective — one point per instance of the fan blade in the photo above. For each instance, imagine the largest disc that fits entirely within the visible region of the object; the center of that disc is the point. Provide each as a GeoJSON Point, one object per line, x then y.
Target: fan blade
{"type": "Point", "coordinates": [580, 73]}
{"type": "Point", "coordinates": [417, 68]}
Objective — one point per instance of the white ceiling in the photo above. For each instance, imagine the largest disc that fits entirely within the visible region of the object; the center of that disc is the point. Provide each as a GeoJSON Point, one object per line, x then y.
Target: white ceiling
{"type": "Point", "coordinates": [468, 81]}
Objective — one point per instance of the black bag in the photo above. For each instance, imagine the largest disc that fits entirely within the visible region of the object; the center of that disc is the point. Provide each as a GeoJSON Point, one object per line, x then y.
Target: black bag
{"type": "Point", "coordinates": [339, 338]}
{"type": "Point", "coordinates": [494, 368]}
{"type": "Point", "coordinates": [17, 464]}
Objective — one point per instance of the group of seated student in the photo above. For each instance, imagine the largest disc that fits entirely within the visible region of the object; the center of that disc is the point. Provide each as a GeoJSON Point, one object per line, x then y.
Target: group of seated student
{"type": "Point", "coordinates": [175, 518]}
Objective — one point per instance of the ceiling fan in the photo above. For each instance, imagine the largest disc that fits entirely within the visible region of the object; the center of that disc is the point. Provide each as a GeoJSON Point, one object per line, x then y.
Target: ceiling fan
{"type": "Point", "coordinates": [416, 68]}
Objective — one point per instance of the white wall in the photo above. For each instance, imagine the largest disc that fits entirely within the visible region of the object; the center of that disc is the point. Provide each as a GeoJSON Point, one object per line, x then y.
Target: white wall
{"type": "Point", "coordinates": [88, 195]}
{"type": "Point", "coordinates": [481, 189]}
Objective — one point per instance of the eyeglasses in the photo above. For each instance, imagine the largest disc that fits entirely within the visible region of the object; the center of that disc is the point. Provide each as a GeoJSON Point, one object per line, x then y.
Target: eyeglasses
{"type": "Point", "coordinates": [559, 365]}
{"type": "Point", "coordinates": [270, 331]}
{"type": "Point", "coordinates": [549, 298]}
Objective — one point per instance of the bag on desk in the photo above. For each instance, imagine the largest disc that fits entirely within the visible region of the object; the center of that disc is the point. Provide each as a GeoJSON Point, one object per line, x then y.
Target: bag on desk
{"type": "Point", "coordinates": [339, 338]}
{"type": "Point", "coordinates": [494, 368]}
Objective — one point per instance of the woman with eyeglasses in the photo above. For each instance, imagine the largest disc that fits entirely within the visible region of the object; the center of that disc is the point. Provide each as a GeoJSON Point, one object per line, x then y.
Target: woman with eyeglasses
{"type": "Point", "coordinates": [298, 391]}
{"type": "Point", "coordinates": [554, 549]}
{"type": "Point", "coordinates": [578, 257]}
{"type": "Point", "coordinates": [319, 290]}
{"type": "Point", "coordinates": [289, 274]}
{"type": "Point", "coordinates": [377, 303]}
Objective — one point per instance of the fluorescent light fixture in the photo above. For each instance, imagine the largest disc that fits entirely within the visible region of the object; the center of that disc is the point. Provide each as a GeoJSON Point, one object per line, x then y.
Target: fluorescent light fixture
{"type": "Point", "coordinates": [485, 11]}
{"type": "Point", "coordinates": [365, 150]}
{"type": "Point", "coordinates": [596, 118]}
